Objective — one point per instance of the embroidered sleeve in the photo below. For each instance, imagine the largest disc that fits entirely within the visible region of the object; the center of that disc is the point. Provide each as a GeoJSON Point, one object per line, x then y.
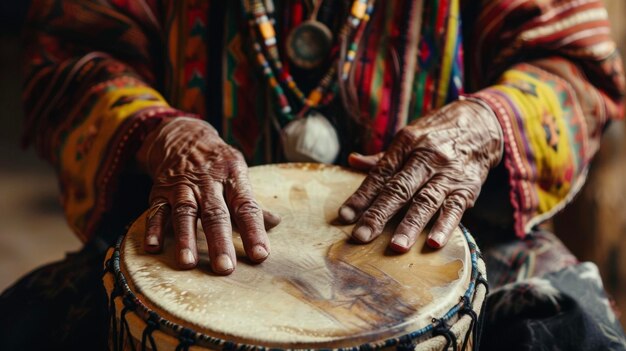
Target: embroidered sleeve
{"type": "Point", "coordinates": [551, 72]}
{"type": "Point", "coordinates": [88, 96]}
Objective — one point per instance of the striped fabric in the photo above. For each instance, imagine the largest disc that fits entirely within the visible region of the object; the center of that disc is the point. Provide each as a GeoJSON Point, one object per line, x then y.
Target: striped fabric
{"type": "Point", "coordinates": [102, 73]}
{"type": "Point", "coordinates": [555, 79]}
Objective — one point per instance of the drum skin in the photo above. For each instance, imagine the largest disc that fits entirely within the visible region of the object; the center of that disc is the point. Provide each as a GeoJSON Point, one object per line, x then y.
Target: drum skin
{"type": "Point", "coordinates": [317, 290]}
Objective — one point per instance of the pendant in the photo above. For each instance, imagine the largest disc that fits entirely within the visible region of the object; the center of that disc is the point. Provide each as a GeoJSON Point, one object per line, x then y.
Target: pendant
{"type": "Point", "coordinates": [309, 44]}
{"type": "Point", "coordinates": [310, 139]}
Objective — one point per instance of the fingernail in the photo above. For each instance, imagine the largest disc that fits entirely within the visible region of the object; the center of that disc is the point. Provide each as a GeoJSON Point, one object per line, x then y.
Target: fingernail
{"type": "Point", "coordinates": [223, 263]}
{"type": "Point", "coordinates": [363, 233]}
{"type": "Point", "coordinates": [347, 214]}
{"type": "Point", "coordinates": [258, 253]}
{"type": "Point", "coordinates": [152, 240]}
{"type": "Point", "coordinates": [436, 240]}
{"type": "Point", "coordinates": [186, 257]}
{"type": "Point", "coordinates": [400, 240]}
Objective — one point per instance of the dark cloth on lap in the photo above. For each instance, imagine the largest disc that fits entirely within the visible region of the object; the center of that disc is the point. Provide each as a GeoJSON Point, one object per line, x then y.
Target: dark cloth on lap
{"type": "Point", "coordinates": [543, 299]}
{"type": "Point", "coordinates": [60, 306]}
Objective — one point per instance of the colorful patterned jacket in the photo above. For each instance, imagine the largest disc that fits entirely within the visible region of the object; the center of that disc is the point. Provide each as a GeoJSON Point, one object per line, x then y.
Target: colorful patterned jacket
{"type": "Point", "coordinates": [102, 73]}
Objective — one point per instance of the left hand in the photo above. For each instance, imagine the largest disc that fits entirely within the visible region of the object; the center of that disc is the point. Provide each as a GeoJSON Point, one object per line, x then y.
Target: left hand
{"type": "Point", "coordinates": [437, 163]}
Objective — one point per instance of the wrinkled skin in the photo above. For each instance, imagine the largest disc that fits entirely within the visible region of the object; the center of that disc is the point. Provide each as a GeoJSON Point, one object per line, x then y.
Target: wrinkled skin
{"type": "Point", "coordinates": [436, 164]}
{"type": "Point", "coordinates": [197, 175]}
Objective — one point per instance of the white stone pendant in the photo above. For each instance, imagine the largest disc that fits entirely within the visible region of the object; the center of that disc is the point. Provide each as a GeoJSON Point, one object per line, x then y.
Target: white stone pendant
{"type": "Point", "coordinates": [310, 139]}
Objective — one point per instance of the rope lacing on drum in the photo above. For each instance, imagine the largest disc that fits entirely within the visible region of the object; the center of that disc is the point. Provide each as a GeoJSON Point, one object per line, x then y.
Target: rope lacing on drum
{"type": "Point", "coordinates": [468, 309]}
{"type": "Point", "coordinates": [115, 292]}
{"type": "Point", "coordinates": [229, 346]}
{"type": "Point", "coordinates": [406, 344]}
{"type": "Point", "coordinates": [479, 323]}
{"type": "Point", "coordinates": [483, 281]}
{"type": "Point", "coordinates": [441, 328]}
{"type": "Point", "coordinates": [152, 324]}
{"type": "Point", "coordinates": [129, 305]}
{"type": "Point", "coordinates": [185, 339]}
{"type": "Point", "coordinates": [108, 267]}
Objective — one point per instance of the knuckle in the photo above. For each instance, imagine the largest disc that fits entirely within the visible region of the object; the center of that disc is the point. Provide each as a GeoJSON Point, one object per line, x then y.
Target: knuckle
{"type": "Point", "coordinates": [400, 187]}
{"type": "Point", "coordinates": [221, 242]}
{"type": "Point", "coordinates": [375, 217]}
{"type": "Point", "coordinates": [407, 135]}
{"type": "Point", "coordinates": [247, 207]}
{"type": "Point", "coordinates": [158, 215]}
{"type": "Point", "coordinates": [468, 195]}
{"type": "Point", "coordinates": [434, 151]}
{"type": "Point", "coordinates": [185, 208]}
{"type": "Point", "coordinates": [455, 201]}
{"type": "Point", "coordinates": [455, 205]}
{"type": "Point", "coordinates": [358, 200]}
{"type": "Point", "coordinates": [162, 211]}
{"type": "Point", "coordinates": [415, 220]}
{"type": "Point", "coordinates": [378, 175]}
{"type": "Point", "coordinates": [372, 184]}
{"type": "Point", "coordinates": [152, 227]}
{"type": "Point", "coordinates": [214, 214]}
{"type": "Point", "coordinates": [444, 155]}
{"type": "Point", "coordinates": [426, 200]}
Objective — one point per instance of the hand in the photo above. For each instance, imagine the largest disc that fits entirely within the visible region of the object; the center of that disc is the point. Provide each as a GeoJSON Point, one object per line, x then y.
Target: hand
{"type": "Point", "coordinates": [437, 163]}
{"type": "Point", "coordinates": [196, 174]}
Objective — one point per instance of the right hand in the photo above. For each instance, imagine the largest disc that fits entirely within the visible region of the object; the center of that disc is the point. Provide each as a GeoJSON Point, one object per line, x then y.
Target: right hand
{"type": "Point", "coordinates": [197, 175]}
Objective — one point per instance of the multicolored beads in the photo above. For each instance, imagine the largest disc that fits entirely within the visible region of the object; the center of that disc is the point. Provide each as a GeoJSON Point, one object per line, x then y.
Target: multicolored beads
{"type": "Point", "coordinates": [261, 24]}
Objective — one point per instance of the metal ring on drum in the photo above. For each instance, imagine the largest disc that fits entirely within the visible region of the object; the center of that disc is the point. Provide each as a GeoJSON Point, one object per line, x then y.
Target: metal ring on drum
{"type": "Point", "coordinates": [317, 290]}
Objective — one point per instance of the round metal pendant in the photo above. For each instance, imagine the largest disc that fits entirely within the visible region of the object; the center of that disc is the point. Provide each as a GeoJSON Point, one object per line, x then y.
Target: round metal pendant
{"type": "Point", "coordinates": [309, 44]}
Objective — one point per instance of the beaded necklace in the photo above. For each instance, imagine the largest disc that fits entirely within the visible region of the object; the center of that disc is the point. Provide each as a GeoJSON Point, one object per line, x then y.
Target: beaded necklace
{"type": "Point", "coordinates": [267, 56]}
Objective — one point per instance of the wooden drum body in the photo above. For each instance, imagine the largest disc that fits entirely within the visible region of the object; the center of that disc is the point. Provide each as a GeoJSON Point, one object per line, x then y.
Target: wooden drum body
{"type": "Point", "coordinates": [317, 290]}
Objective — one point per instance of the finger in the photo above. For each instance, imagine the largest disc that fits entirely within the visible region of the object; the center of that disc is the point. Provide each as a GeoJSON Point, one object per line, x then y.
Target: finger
{"type": "Point", "coordinates": [424, 205]}
{"type": "Point", "coordinates": [270, 219]}
{"type": "Point", "coordinates": [396, 193]}
{"type": "Point", "coordinates": [184, 219]}
{"type": "Point", "coordinates": [156, 222]}
{"type": "Point", "coordinates": [362, 162]}
{"type": "Point", "coordinates": [248, 216]}
{"type": "Point", "coordinates": [388, 165]}
{"type": "Point", "coordinates": [451, 212]}
{"type": "Point", "coordinates": [215, 220]}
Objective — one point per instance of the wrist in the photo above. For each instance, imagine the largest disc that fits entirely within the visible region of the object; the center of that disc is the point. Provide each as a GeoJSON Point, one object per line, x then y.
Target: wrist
{"type": "Point", "coordinates": [173, 137]}
{"type": "Point", "coordinates": [492, 124]}
{"type": "Point", "coordinates": [151, 133]}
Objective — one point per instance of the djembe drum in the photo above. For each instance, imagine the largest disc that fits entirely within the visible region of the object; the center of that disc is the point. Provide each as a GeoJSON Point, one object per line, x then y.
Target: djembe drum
{"type": "Point", "coordinates": [317, 290]}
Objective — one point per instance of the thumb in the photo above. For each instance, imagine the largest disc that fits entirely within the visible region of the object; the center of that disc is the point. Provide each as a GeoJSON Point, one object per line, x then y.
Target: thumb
{"type": "Point", "coordinates": [363, 162]}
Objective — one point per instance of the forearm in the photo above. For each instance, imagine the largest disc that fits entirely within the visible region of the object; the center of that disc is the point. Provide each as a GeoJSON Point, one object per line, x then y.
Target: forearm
{"type": "Point", "coordinates": [89, 98]}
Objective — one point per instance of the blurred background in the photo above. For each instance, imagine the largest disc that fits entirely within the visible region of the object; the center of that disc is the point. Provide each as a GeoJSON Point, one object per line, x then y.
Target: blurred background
{"type": "Point", "coordinates": [33, 231]}
{"type": "Point", "coordinates": [32, 228]}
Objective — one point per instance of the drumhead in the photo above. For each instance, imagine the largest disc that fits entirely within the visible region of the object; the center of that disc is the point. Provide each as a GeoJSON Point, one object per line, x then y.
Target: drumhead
{"type": "Point", "coordinates": [317, 289]}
